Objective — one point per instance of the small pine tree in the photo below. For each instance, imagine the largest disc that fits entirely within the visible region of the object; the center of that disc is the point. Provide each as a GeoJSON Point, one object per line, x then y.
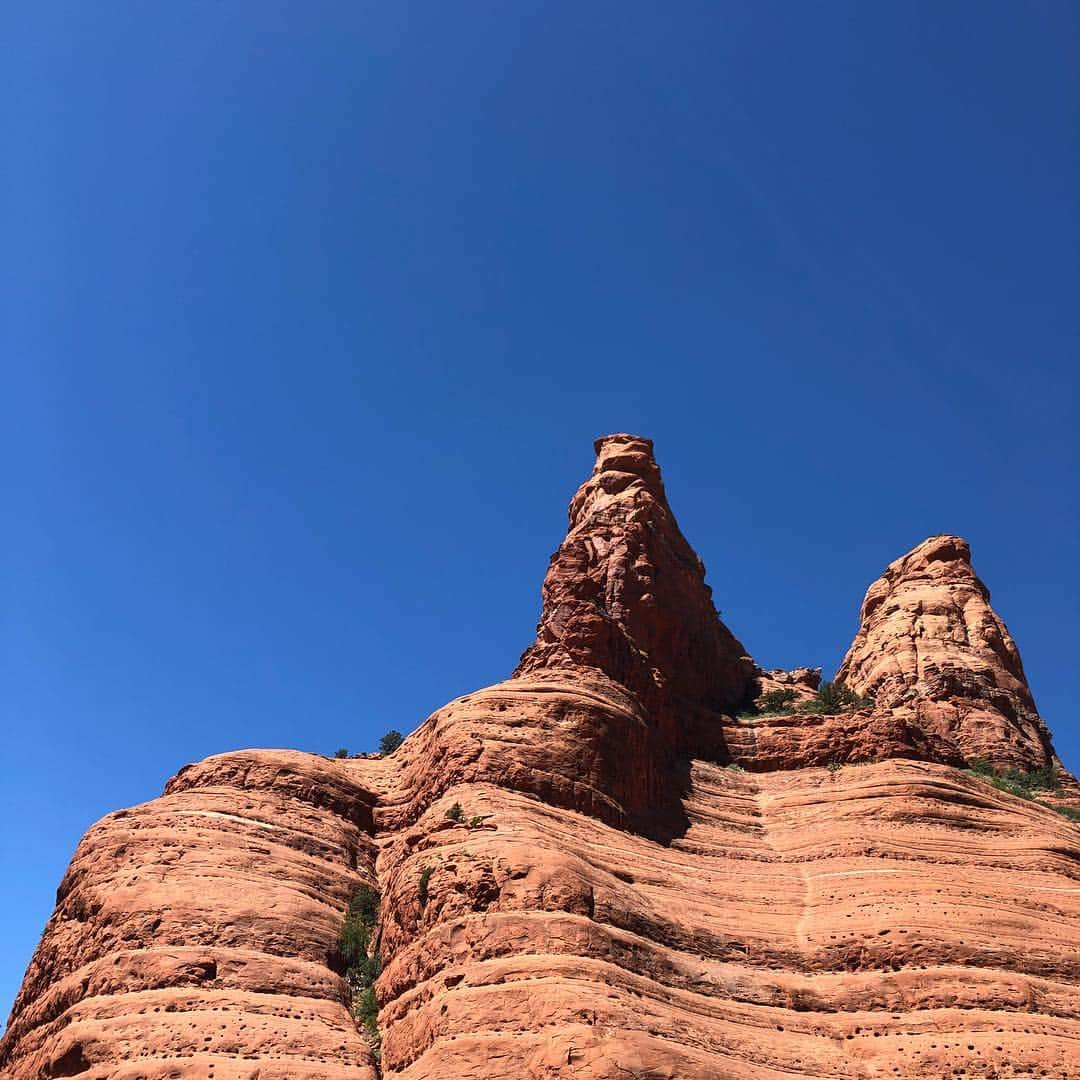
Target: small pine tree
{"type": "Point", "coordinates": [341, 752]}
{"type": "Point", "coordinates": [364, 905]}
{"type": "Point", "coordinates": [366, 1008]}
{"type": "Point", "coordinates": [422, 890]}
{"type": "Point", "coordinates": [455, 813]}
{"type": "Point", "coordinates": [353, 941]}
{"type": "Point", "coordinates": [834, 697]}
{"type": "Point", "coordinates": [777, 701]}
{"type": "Point", "coordinates": [390, 742]}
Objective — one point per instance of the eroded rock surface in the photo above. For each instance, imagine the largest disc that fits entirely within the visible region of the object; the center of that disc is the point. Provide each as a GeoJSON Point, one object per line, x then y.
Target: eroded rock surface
{"type": "Point", "coordinates": [626, 594]}
{"type": "Point", "coordinates": [645, 884]}
{"type": "Point", "coordinates": [931, 648]}
{"type": "Point", "coordinates": [194, 935]}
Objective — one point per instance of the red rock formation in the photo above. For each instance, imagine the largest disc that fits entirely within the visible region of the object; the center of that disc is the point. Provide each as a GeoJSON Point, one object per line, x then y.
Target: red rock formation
{"type": "Point", "coordinates": [626, 594]}
{"type": "Point", "coordinates": [194, 935]}
{"type": "Point", "coordinates": [801, 682]}
{"type": "Point", "coordinates": [616, 902]}
{"type": "Point", "coordinates": [931, 649]}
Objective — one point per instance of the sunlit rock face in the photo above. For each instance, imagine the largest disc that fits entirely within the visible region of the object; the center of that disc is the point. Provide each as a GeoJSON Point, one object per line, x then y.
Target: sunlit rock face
{"type": "Point", "coordinates": [649, 877]}
{"type": "Point", "coordinates": [931, 648]}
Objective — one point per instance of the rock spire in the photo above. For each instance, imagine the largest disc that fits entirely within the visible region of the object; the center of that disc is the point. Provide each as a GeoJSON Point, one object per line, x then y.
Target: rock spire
{"type": "Point", "coordinates": [930, 645]}
{"type": "Point", "coordinates": [626, 594]}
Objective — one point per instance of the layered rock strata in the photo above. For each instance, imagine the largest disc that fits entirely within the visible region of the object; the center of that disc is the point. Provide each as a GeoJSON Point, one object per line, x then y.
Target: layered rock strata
{"type": "Point", "coordinates": [618, 901]}
{"type": "Point", "coordinates": [195, 935]}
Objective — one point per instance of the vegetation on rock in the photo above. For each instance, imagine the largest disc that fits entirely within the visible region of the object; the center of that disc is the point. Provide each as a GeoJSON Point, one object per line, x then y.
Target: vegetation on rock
{"type": "Point", "coordinates": [422, 888]}
{"type": "Point", "coordinates": [1024, 785]}
{"type": "Point", "coordinates": [831, 698]}
{"type": "Point", "coordinates": [359, 949]}
{"type": "Point", "coordinates": [1016, 781]}
{"type": "Point", "coordinates": [391, 741]}
{"type": "Point", "coordinates": [776, 701]}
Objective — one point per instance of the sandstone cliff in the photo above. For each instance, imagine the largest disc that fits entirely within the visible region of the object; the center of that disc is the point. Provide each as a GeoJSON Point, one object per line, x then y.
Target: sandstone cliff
{"type": "Point", "coordinates": [650, 877]}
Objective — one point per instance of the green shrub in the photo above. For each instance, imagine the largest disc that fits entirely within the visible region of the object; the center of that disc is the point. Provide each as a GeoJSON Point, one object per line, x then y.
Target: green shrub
{"type": "Point", "coordinates": [366, 970]}
{"type": "Point", "coordinates": [364, 905]}
{"type": "Point", "coordinates": [455, 813]}
{"type": "Point", "coordinates": [1019, 790]}
{"type": "Point", "coordinates": [1045, 779]}
{"type": "Point", "coordinates": [422, 889]}
{"type": "Point", "coordinates": [341, 752]}
{"type": "Point", "coordinates": [353, 941]}
{"type": "Point", "coordinates": [390, 742]}
{"type": "Point", "coordinates": [834, 697]}
{"type": "Point", "coordinates": [776, 701]}
{"type": "Point", "coordinates": [366, 1009]}
{"type": "Point", "coordinates": [1015, 781]}
{"type": "Point", "coordinates": [363, 963]}
{"type": "Point", "coordinates": [1064, 811]}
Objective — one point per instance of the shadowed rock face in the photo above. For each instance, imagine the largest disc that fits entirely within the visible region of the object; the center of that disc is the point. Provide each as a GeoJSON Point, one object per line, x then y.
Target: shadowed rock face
{"type": "Point", "coordinates": [626, 594]}
{"type": "Point", "coordinates": [627, 906]}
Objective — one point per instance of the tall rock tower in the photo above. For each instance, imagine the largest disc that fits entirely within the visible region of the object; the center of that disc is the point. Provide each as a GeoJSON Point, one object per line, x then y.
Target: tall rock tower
{"type": "Point", "coordinates": [930, 646]}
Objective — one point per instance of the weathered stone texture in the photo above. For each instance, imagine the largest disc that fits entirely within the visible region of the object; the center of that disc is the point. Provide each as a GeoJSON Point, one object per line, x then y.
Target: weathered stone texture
{"type": "Point", "coordinates": [646, 884]}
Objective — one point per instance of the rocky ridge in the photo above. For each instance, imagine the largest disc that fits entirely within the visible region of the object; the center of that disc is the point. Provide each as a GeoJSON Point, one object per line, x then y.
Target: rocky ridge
{"type": "Point", "coordinates": [651, 877]}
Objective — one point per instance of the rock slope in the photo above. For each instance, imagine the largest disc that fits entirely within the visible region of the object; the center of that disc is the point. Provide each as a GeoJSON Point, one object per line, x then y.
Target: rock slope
{"type": "Point", "coordinates": [650, 878]}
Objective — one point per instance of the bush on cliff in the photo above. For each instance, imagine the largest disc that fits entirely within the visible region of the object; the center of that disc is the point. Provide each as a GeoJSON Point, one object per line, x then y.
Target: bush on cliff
{"type": "Point", "coordinates": [364, 905]}
{"type": "Point", "coordinates": [422, 889]}
{"type": "Point", "coordinates": [390, 742]}
{"type": "Point", "coordinates": [1016, 781]}
{"type": "Point", "coordinates": [776, 701]}
{"type": "Point", "coordinates": [362, 959]}
{"type": "Point", "coordinates": [834, 697]}
{"type": "Point", "coordinates": [366, 1010]}
{"type": "Point", "coordinates": [353, 941]}
{"type": "Point", "coordinates": [1024, 785]}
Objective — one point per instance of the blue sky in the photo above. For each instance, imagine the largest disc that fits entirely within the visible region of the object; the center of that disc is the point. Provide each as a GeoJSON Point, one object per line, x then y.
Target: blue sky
{"type": "Point", "coordinates": [311, 313]}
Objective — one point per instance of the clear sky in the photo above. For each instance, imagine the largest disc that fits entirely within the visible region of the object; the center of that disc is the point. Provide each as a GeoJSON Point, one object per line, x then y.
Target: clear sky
{"type": "Point", "coordinates": [312, 311]}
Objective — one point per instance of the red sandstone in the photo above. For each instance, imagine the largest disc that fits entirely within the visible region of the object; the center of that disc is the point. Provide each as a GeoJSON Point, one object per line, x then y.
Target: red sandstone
{"type": "Point", "coordinates": [846, 903]}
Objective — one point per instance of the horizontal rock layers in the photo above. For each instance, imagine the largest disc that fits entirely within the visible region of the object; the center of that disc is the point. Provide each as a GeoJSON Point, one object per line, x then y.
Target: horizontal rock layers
{"type": "Point", "coordinates": [880, 920]}
{"type": "Point", "coordinates": [194, 935]}
{"type": "Point", "coordinates": [644, 882]}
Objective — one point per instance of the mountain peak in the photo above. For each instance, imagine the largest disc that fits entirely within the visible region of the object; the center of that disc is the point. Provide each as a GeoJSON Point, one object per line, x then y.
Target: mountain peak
{"type": "Point", "coordinates": [626, 594]}
{"type": "Point", "coordinates": [930, 642]}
